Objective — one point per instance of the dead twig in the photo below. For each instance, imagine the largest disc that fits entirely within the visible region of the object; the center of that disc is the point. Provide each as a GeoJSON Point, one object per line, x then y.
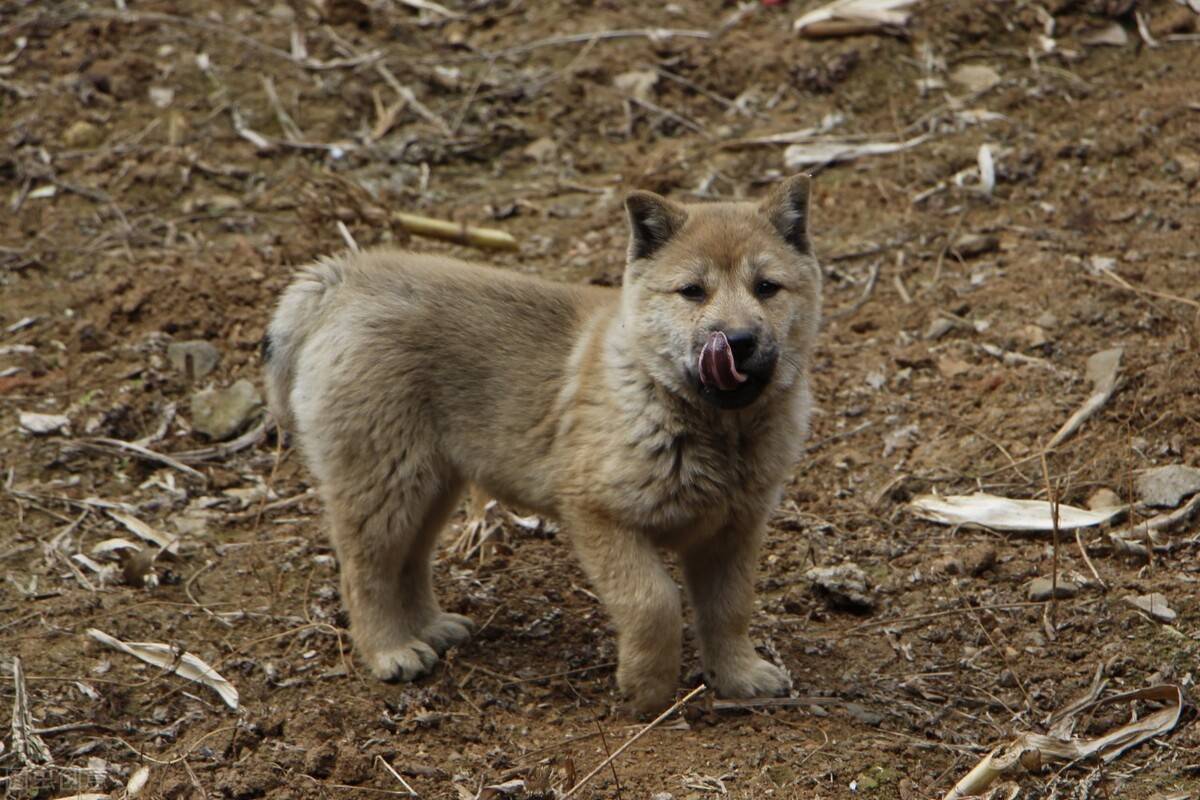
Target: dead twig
{"type": "Point", "coordinates": [458, 232]}
{"type": "Point", "coordinates": [651, 726]}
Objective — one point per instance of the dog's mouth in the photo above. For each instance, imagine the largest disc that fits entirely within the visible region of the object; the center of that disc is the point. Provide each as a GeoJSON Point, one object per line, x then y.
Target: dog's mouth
{"type": "Point", "coordinates": [721, 382]}
{"type": "Point", "coordinates": [717, 366]}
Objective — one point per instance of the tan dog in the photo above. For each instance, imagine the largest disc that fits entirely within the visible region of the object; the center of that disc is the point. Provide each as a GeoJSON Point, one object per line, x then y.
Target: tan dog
{"type": "Point", "coordinates": [666, 414]}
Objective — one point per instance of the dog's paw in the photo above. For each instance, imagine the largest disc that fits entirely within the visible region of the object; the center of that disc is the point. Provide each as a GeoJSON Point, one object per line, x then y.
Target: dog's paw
{"type": "Point", "coordinates": [649, 698]}
{"type": "Point", "coordinates": [403, 663]}
{"type": "Point", "coordinates": [753, 677]}
{"type": "Point", "coordinates": [446, 631]}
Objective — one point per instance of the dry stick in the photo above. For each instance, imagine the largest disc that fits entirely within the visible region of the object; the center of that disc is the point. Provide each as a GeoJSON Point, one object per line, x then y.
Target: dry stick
{"type": "Point", "coordinates": [937, 270]}
{"type": "Point", "coordinates": [461, 233]}
{"type": "Point", "coordinates": [396, 775]}
{"type": "Point", "coordinates": [1087, 560]}
{"type": "Point", "coordinates": [1053, 495]}
{"type": "Point", "coordinates": [657, 720]}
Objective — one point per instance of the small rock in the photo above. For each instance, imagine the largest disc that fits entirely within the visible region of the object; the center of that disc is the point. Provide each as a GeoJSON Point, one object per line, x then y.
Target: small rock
{"type": "Point", "coordinates": [83, 135]}
{"type": "Point", "coordinates": [1102, 499]}
{"type": "Point", "coordinates": [161, 96]}
{"type": "Point", "coordinates": [1153, 604]}
{"type": "Point", "coordinates": [662, 796]}
{"type": "Point", "coordinates": [1041, 588]}
{"type": "Point", "coordinates": [864, 715]}
{"type": "Point", "coordinates": [843, 587]}
{"type": "Point", "coordinates": [1034, 336]}
{"type": "Point", "coordinates": [541, 150]}
{"type": "Point", "coordinates": [42, 424]}
{"type": "Point", "coordinates": [971, 245]}
{"type": "Point", "coordinates": [1111, 35]}
{"type": "Point", "coordinates": [204, 357]}
{"type": "Point", "coordinates": [979, 559]}
{"type": "Point", "coordinates": [952, 367]}
{"type": "Point", "coordinates": [975, 77]}
{"type": "Point", "coordinates": [939, 328]}
{"type": "Point", "coordinates": [1047, 320]}
{"type": "Point", "coordinates": [221, 413]}
{"type": "Point", "coordinates": [638, 83]}
{"type": "Point", "coordinates": [1165, 487]}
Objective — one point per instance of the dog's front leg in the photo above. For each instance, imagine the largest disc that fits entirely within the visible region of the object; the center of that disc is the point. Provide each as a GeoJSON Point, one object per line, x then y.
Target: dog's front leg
{"type": "Point", "coordinates": [719, 571]}
{"type": "Point", "coordinates": [643, 602]}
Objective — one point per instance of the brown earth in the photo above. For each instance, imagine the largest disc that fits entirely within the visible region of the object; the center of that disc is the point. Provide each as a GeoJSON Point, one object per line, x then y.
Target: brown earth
{"type": "Point", "coordinates": [136, 215]}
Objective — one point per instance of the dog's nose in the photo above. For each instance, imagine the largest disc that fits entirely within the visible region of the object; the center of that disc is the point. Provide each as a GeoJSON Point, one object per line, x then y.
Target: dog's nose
{"type": "Point", "coordinates": [743, 344]}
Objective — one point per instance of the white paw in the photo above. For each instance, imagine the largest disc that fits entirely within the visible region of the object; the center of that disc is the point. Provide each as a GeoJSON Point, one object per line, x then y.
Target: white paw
{"type": "Point", "coordinates": [447, 630]}
{"type": "Point", "coordinates": [403, 663]}
{"type": "Point", "coordinates": [750, 677]}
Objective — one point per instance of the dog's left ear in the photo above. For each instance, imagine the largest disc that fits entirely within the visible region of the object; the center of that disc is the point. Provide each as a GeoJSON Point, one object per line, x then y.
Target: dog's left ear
{"type": "Point", "coordinates": [653, 220]}
{"type": "Point", "coordinates": [787, 208]}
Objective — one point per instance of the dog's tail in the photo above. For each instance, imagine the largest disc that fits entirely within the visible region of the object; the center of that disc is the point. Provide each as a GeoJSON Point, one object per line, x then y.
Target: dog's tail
{"type": "Point", "coordinates": [300, 310]}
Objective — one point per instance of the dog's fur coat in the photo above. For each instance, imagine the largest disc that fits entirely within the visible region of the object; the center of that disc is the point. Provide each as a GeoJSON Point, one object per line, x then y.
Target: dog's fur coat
{"type": "Point", "coordinates": [407, 377]}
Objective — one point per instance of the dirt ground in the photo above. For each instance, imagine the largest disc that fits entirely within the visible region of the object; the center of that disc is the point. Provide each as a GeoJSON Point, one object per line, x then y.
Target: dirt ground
{"type": "Point", "coordinates": [140, 210]}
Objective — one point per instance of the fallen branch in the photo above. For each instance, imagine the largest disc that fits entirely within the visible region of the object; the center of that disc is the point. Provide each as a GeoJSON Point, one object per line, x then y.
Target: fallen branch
{"type": "Point", "coordinates": [458, 232]}
{"type": "Point", "coordinates": [116, 446]}
{"type": "Point", "coordinates": [1032, 750]}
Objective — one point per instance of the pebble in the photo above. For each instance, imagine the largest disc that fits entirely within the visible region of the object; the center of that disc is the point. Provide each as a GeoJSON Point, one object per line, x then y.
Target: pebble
{"type": "Point", "coordinates": [83, 135]}
{"type": "Point", "coordinates": [203, 355]}
{"type": "Point", "coordinates": [221, 413]}
{"type": "Point", "coordinates": [1102, 499]}
{"type": "Point", "coordinates": [975, 244]}
{"type": "Point", "coordinates": [843, 587]}
{"type": "Point", "coordinates": [1154, 604]}
{"type": "Point", "coordinates": [1040, 589]}
{"type": "Point", "coordinates": [1165, 487]}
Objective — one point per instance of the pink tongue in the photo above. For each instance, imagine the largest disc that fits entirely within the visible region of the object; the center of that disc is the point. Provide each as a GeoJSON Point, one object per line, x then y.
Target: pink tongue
{"type": "Point", "coordinates": [717, 367]}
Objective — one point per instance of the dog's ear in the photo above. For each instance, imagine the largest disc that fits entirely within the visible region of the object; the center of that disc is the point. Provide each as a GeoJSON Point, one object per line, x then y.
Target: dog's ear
{"type": "Point", "coordinates": [787, 208]}
{"type": "Point", "coordinates": [653, 220]}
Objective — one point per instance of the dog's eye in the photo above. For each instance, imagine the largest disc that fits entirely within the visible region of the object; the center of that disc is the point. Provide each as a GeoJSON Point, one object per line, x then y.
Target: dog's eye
{"type": "Point", "coordinates": [765, 289]}
{"type": "Point", "coordinates": [693, 291]}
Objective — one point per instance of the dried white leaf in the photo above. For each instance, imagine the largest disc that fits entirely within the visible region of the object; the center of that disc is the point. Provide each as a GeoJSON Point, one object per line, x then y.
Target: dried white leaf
{"type": "Point", "coordinates": [137, 781]}
{"type": "Point", "coordinates": [1005, 514]}
{"type": "Point", "coordinates": [144, 531]}
{"type": "Point", "coordinates": [825, 152]}
{"type": "Point", "coordinates": [183, 664]}
{"type": "Point", "coordinates": [112, 546]}
{"type": "Point", "coordinates": [43, 424]}
{"type": "Point", "coordinates": [987, 170]}
{"type": "Point", "coordinates": [882, 12]}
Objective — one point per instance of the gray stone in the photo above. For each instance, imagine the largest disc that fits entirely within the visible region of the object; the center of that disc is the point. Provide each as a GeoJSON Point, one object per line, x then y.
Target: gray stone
{"type": "Point", "coordinates": [1166, 486]}
{"type": "Point", "coordinates": [1153, 604]}
{"type": "Point", "coordinates": [221, 413]}
{"type": "Point", "coordinates": [203, 355]}
{"type": "Point", "coordinates": [843, 587]}
{"type": "Point", "coordinates": [864, 715]}
{"type": "Point", "coordinates": [1041, 588]}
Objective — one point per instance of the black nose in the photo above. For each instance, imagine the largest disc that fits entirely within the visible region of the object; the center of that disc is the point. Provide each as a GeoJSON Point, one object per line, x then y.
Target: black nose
{"type": "Point", "coordinates": [742, 343]}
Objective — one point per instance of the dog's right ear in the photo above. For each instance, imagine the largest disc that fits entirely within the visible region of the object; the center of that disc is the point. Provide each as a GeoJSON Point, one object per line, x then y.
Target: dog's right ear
{"type": "Point", "coordinates": [653, 220]}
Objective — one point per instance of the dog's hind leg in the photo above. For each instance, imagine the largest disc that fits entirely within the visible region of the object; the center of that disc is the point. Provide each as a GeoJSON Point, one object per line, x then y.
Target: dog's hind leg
{"type": "Point", "coordinates": [384, 529]}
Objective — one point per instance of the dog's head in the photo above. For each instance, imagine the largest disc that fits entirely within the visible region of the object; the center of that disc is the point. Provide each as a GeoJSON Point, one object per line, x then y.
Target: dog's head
{"type": "Point", "coordinates": [723, 299]}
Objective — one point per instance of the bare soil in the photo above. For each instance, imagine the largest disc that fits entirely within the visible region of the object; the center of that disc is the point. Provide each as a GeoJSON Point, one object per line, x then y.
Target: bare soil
{"type": "Point", "coordinates": [135, 214]}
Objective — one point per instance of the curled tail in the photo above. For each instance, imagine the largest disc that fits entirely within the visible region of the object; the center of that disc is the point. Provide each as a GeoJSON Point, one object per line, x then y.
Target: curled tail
{"type": "Point", "coordinates": [300, 310]}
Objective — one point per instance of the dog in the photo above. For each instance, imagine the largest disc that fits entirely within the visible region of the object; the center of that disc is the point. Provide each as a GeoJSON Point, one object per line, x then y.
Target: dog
{"type": "Point", "coordinates": [666, 414]}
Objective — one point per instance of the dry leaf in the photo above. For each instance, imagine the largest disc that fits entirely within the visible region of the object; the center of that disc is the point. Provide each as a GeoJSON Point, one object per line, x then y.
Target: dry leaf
{"type": "Point", "coordinates": [151, 534]}
{"type": "Point", "coordinates": [1005, 514]}
{"type": "Point", "coordinates": [1031, 750]}
{"type": "Point", "coordinates": [42, 424]}
{"type": "Point", "coordinates": [878, 12]}
{"type": "Point", "coordinates": [825, 152]}
{"type": "Point", "coordinates": [183, 664]}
